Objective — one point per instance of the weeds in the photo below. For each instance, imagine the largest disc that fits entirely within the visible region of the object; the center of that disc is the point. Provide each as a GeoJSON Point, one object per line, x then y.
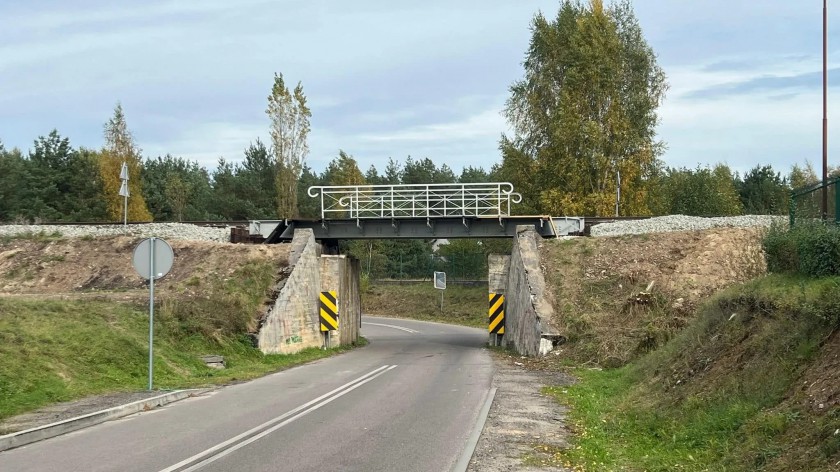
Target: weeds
{"type": "Point", "coordinates": [229, 308]}
{"type": "Point", "coordinates": [41, 236]}
{"type": "Point", "coordinates": [721, 395]}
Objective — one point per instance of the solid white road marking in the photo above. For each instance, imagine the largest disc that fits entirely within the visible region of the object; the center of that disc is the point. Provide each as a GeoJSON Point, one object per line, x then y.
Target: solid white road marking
{"type": "Point", "coordinates": [222, 449]}
{"type": "Point", "coordinates": [407, 330]}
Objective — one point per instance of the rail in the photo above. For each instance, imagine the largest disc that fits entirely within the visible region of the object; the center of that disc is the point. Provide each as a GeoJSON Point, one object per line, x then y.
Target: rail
{"type": "Point", "coordinates": [415, 201]}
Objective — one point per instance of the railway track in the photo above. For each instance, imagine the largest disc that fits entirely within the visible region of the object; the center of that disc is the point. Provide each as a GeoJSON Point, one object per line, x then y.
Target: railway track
{"type": "Point", "coordinates": [589, 222]}
{"type": "Point", "coordinates": [212, 224]}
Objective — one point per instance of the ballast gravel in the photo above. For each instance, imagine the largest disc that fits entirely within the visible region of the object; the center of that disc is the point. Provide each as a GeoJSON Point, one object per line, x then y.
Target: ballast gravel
{"type": "Point", "coordinates": [671, 223]}
{"type": "Point", "coordinates": [175, 231]}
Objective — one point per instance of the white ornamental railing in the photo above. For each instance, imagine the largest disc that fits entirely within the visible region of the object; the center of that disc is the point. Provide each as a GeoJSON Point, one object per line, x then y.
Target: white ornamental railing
{"type": "Point", "coordinates": [415, 201]}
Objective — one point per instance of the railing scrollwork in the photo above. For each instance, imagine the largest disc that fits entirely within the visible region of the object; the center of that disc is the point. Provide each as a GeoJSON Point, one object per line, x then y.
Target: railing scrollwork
{"type": "Point", "coordinates": [415, 201]}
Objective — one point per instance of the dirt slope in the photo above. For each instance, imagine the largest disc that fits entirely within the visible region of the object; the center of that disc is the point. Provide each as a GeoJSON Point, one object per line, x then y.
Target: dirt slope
{"type": "Point", "coordinates": [600, 286]}
{"type": "Point", "coordinates": [76, 267]}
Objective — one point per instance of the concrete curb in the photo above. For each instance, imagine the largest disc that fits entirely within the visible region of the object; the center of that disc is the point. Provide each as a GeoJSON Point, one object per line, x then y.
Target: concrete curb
{"type": "Point", "coordinates": [472, 442]}
{"type": "Point", "coordinates": [28, 436]}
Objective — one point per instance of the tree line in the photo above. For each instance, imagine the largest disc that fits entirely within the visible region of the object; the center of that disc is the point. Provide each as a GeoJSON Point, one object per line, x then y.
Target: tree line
{"type": "Point", "coordinates": [55, 181]}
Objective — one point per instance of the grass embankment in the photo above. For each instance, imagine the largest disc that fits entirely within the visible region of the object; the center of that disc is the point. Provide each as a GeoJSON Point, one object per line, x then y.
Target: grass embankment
{"type": "Point", "coordinates": [462, 305]}
{"type": "Point", "coordinates": [52, 351]}
{"type": "Point", "coordinates": [751, 384]}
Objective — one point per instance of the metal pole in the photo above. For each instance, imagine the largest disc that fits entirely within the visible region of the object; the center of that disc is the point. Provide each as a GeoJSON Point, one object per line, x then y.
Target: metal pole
{"type": "Point", "coordinates": [151, 307]}
{"type": "Point", "coordinates": [125, 211]}
{"type": "Point", "coordinates": [617, 190]}
{"type": "Point", "coordinates": [825, 113]}
{"type": "Point", "coordinates": [441, 302]}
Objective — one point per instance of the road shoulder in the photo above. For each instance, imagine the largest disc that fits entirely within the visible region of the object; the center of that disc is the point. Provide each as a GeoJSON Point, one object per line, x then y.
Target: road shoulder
{"type": "Point", "coordinates": [521, 419]}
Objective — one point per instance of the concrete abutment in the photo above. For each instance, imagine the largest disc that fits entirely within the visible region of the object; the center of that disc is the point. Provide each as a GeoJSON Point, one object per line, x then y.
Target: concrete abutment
{"type": "Point", "coordinates": [529, 314]}
{"type": "Point", "coordinates": [292, 321]}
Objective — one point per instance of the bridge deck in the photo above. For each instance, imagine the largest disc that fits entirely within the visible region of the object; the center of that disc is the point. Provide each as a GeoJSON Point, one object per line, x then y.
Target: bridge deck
{"type": "Point", "coordinates": [276, 231]}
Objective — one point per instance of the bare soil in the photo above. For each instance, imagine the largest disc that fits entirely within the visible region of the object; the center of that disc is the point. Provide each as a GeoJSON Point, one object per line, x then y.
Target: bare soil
{"type": "Point", "coordinates": [78, 268]}
{"type": "Point", "coordinates": [618, 297]}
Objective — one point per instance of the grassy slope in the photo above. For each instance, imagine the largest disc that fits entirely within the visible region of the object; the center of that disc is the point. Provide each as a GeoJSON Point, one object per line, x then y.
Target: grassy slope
{"type": "Point", "coordinates": [463, 305]}
{"type": "Point", "coordinates": [725, 394]}
{"type": "Point", "coordinates": [53, 351]}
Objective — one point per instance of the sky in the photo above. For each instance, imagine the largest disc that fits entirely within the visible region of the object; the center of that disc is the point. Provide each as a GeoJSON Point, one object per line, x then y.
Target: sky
{"type": "Point", "coordinates": [393, 79]}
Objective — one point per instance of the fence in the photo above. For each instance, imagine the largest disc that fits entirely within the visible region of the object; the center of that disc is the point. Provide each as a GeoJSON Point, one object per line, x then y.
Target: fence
{"type": "Point", "coordinates": [806, 204]}
{"type": "Point", "coordinates": [463, 266]}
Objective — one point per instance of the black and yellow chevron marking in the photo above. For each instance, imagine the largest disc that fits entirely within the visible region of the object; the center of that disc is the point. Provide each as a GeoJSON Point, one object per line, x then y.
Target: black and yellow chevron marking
{"type": "Point", "coordinates": [497, 314]}
{"type": "Point", "coordinates": [329, 311]}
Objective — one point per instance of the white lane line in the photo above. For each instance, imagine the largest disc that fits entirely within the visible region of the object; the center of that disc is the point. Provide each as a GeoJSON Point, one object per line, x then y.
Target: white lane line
{"type": "Point", "coordinates": [407, 330]}
{"type": "Point", "coordinates": [222, 449]}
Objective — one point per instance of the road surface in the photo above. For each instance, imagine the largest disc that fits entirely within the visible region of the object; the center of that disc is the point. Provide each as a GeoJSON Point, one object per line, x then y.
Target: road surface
{"type": "Point", "coordinates": [407, 402]}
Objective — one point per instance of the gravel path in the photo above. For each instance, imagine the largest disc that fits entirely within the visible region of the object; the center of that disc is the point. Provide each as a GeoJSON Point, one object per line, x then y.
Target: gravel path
{"type": "Point", "coordinates": [523, 422]}
{"type": "Point", "coordinates": [664, 224]}
{"type": "Point", "coordinates": [159, 230]}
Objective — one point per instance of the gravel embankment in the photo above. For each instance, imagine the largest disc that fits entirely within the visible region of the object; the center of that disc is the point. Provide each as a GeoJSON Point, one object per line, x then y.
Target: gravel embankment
{"type": "Point", "coordinates": [175, 231]}
{"type": "Point", "coordinates": [665, 224]}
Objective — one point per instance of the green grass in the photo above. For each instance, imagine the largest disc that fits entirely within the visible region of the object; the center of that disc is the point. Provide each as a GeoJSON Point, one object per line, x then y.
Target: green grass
{"type": "Point", "coordinates": [53, 351]}
{"type": "Point", "coordinates": [723, 395]}
{"type": "Point", "coordinates": [462, 305]}
{"type": "Point", "coordinates": [59, 351]}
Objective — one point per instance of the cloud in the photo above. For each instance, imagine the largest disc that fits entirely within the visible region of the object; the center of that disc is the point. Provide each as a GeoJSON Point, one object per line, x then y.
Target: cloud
{"type": "Point", "coordinates": [207, 142]}
{"type": "Point", "coordinates": [752, 63]}
{"type": "Point", "coordinates": [767, 83]}
{"type": "Point", "coordinates": [488, 123]}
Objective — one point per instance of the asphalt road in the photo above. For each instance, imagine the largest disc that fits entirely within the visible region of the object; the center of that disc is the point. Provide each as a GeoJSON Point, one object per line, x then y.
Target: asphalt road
{"type": "Point", "coordinates": [409, 401]}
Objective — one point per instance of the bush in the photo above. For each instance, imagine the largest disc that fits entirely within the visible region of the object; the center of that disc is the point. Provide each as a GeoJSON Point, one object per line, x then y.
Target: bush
{"type": "Point", "coordinates": [811, 249]}
{"type": "Point", "coordinates": [780, 250]}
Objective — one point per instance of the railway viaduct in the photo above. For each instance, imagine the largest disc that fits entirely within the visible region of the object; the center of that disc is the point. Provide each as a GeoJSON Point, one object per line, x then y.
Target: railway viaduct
{"type": "Point", "coordinates": [318, 302]}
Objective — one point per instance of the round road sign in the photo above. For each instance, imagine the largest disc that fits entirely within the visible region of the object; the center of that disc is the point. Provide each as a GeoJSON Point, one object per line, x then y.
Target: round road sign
{"type": "Point", "coordinates": [144, 264]}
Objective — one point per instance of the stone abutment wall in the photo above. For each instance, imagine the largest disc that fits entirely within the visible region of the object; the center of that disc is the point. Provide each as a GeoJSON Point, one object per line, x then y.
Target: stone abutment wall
{"type": "Point", "coordinates": [291, 323]}
{"type": "Point", "coordinates": [529, 326]}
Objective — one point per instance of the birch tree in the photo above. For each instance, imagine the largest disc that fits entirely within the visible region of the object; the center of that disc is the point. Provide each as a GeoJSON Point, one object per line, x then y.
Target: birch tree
{"type": "Point", "coordinates": [289, 117]}
{"type": "Point", "coordinates": [585, 111]}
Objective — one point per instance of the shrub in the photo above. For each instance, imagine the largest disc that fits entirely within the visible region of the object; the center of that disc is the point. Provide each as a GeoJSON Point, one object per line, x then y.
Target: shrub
{"type": "Point", "coordinates": [811, 249]}
{"type": "Point", "coordinates": [780, 250]}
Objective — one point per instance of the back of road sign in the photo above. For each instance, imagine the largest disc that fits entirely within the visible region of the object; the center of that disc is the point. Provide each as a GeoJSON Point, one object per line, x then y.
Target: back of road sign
{"type": "Point", "coordinates": [163, 257]}
{"type": "Point", "coordinates": [440, 280]}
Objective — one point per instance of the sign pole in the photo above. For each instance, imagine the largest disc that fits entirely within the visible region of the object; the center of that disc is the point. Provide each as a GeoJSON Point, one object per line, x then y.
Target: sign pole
{"type": "Point", "coordinates": [151, 308]}
{"type": "Point", "coordinates": [124, 191]}
{"type": "Point", "coordinates": [151, 265]}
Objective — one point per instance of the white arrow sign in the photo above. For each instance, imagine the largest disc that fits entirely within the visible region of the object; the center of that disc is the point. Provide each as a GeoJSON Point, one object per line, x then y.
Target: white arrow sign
{"type": "Point", "coordinates": [124, 172]}
{"type": "Point", "coordinates": [124, 188]}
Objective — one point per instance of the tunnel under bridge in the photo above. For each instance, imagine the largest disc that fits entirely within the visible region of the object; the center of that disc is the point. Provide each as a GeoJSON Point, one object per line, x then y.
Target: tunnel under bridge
{"type": "Point", "coordinates": [433, 211]}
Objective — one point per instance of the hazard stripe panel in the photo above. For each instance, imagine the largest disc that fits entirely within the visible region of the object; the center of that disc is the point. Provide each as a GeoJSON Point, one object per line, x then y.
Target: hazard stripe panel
{"type": "Point", "coordinates": [496, 314]}
{"type": "Point", "coordinates": [328, 309]}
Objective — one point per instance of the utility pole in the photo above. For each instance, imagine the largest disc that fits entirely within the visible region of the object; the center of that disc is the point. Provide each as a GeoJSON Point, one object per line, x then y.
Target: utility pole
{"type": "Point", "coordinates": [825, 114]}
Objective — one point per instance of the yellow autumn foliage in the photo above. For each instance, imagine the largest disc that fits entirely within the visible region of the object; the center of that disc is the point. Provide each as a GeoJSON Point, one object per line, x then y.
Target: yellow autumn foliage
{"type": "Point", "coordinates": [119, 148]}
{"type": "Point", "coordinates": [109, 171]}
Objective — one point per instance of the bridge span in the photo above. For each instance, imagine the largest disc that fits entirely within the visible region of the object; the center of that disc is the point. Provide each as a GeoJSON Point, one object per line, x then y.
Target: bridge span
{"type": "Point", "coordinates": [423, 211]}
